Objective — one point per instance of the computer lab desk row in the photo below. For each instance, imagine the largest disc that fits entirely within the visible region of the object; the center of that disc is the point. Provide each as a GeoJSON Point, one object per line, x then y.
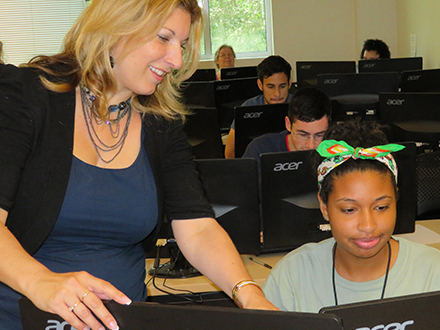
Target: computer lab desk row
{"type": "Point", "coordinates": [427, 232]}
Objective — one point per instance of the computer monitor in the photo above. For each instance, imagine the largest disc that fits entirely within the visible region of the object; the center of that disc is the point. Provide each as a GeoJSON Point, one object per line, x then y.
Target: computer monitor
{"type": "Point", "coordinates": [290, 207]}
{"type": "Point", "coordinates": [144, 315]}
{"type": "Point", "coordinates": [253, 121]}
{"type": "Point", "coordinates": [203, 75]}
{"type": "Point", "coordinates": [391, 64]}
{"type": "Point", "coordinates": [230, 94]}
{"type": "Point", "coordinates": [409, 312]}
{"type": "Point", "coordinates": [239, 72]}
{"type": "Point", "coordinates": [412, 117]}
{"type": "Point", "coordinates": [203, 133]}
{"type": "Point", "coordinates": [420, 81]}
{"type": "Point", "coordinates": [231, 186]}
{"type": "Point", "coordinates": [357, 94]}
{"type": "Point", "coordinates": [198, 93]}
{"type": "Point", "coordinates": [307, 71]}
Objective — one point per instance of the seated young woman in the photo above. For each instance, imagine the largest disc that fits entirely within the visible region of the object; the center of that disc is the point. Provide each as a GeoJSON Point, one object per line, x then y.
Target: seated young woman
{"type": "Point", "coordinates": [362, 261]}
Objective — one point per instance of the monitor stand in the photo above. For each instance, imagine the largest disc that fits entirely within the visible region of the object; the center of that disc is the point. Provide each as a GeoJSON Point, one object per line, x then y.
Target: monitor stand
{"type": "Point", "coordinates": [178, 267]}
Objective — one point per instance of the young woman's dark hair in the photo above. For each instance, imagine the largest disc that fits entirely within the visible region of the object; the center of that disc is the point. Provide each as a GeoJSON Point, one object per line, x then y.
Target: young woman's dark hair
{"type": "Point", "coordinates": [356, 134]}
{"type": "Point", "coordinates": [377, 45]}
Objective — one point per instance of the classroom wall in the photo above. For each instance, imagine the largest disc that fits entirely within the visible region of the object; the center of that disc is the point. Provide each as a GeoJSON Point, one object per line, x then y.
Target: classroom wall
{"type": "Point", "coordinates": [420, 17]}
{"type": "Point", "coordinates": [319, 30]}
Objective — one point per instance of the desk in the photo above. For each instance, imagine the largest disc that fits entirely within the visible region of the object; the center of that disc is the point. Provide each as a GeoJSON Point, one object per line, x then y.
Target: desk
{"type": "Point", "coordinates": [427, 232]}
{"type": "Point", "coordinates": [202, 284]}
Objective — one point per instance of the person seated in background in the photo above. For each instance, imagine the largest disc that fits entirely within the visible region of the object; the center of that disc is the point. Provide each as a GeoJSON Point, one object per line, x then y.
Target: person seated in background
{"type": "Point", "coordinates": [375, 49]}
{"type": "Point", "coordinates": [224, 58]}
{"type": "Point", "coordinates": [306, 122]}
{"type": "Point", "coordinates": [274, 81]}
{"type": "Point", "coordinates": [362, 261]}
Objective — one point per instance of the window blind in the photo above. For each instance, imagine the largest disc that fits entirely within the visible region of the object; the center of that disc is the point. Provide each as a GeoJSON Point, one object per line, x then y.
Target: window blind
{"type": "Point", "coordinates": [35, 27]}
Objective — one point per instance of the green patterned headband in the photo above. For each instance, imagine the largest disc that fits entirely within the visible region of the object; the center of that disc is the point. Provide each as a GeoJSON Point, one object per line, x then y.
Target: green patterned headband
{"type": "Point", "coordinates": [338, 152]}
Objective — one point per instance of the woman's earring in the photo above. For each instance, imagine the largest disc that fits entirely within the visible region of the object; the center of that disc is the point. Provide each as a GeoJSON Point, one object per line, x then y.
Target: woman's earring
{"type": "Point", "coordinates": [112, 61]}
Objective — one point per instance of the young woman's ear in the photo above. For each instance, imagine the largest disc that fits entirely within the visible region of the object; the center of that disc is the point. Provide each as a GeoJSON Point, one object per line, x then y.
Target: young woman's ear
{"type": "Point", "coordinates": [323, 208]}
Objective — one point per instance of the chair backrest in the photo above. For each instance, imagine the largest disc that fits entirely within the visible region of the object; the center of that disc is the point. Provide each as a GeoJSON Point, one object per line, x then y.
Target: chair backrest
{"type": "Point", "coordinates": [428, 185]}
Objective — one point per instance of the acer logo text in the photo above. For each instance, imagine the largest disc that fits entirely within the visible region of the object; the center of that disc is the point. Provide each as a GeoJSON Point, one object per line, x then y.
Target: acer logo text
{"type": "Point", "coordinates": [330, 81]}
{"type": "Point", "coordinates": [395, 102]}
{"type": "Point", "coordinates": [305, 67]}
{"type": "Point", "coordinates": [369, 65]}
{"type": "Point", "coordinates": [391, 326]}
{"type": "Point", "coordinates": [56, 325]}
{"type": "Point", "coordinates": [223, 87]}
{"type": "Point", "coordinates": [248, 115]}
{"type": "Point", "coordinates": [410, 78]}
{"type": "Point", "coordinates": [231, 73]}
{"type": "Point", "coordinates": [293, 166]}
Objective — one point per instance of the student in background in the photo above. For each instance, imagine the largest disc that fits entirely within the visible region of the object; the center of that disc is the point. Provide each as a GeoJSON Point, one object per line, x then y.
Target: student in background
{"type": "Point", "coordinates": [357, 193]}
{"type": "Point", "coordinates": [307, 120]}
{"type": "Point", "coordinates": [274, 81]}
{"type": "Point", "coordinates": [224, 58]}
{"type": "Point", "coordinates": [374, 49]}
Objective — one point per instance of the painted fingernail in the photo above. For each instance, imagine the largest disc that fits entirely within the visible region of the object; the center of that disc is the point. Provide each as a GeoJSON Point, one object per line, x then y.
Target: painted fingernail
{"type": "Point", "coordinates": [113, 326]}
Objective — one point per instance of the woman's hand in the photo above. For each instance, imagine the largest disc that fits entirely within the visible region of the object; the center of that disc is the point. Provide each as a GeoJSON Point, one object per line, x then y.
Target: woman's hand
{"type": "Point", "coordinates": [74, 296]}
{"type": "Point", "coordinates": [252, 297]}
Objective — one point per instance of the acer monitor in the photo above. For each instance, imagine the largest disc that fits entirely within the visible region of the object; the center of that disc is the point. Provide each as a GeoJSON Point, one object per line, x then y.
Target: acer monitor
{"type": "Point", "coordinates": [409, 312]}
{"type": "Point", "coordinates": [253, 121]}
{"type": "Point", "coordinates": [422, 81]}
{"type": "Point", "coordinates": [307, 71]}
{"type": "Point", "coordinates": [391, 64]}
{"type": "Point", "coordinates": [203, 75]}
{"type": "Point", "coordinates": [412, 117]}
{"type": "Point", "coordinates": [145, 315]}
{"type": "Point", "coordinates": [198, 93]}
{"type": "Point", "coordinates": [290, 209]}
{"type": "Point", "coordinates": [239, 72]}
{"type": "Point", "coordinates": [203, 132]}
{"type": "Point", "coordinates": [230, 94]}
{"type": "Point", "coordinates": [356, 95]}
{"type": "Point", "coordinates": [231, 187]}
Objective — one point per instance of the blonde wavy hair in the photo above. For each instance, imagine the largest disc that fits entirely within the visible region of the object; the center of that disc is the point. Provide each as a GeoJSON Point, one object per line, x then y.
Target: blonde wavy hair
{"type": "Point", "coordinates": [87, 48]}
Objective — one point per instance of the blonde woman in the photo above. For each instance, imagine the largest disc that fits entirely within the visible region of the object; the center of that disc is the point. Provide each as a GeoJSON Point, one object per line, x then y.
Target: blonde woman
{"type": "Point", "coordinates": [224, 58]}
{"type": "Point", "coordinates": [92, 158]}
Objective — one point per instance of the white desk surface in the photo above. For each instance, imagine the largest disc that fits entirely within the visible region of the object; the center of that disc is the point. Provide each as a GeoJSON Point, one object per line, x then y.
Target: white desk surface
{"type": "Point", "coordinates": [427, 232]}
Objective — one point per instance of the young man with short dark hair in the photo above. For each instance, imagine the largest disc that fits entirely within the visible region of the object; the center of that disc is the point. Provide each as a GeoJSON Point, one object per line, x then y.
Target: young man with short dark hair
{"type": "Point", "coordinates": [274, 81]}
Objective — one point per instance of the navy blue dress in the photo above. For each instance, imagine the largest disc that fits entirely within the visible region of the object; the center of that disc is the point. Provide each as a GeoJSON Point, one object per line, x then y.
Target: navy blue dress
{"type": "Point", "coordinates": [104, 218]}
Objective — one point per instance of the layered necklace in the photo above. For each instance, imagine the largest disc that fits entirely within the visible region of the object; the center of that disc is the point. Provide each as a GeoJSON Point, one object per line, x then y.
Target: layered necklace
{"type": "Point", "coordinates": [386, 273]}
{"type": "Point", "coordinates": [122, 109]}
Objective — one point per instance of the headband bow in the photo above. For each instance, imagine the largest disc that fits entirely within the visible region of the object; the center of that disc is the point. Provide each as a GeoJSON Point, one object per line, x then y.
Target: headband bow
{"type": "Point", "coordinates": [338, 152]}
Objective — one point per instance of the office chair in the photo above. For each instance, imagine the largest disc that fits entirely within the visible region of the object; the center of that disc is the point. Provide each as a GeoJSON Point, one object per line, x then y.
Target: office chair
{"type": "Point", "coordinates": [428, 185]}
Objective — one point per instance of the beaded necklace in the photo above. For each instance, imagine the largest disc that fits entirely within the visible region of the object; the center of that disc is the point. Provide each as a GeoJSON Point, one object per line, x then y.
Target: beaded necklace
{"type": "Point", "coordinates": [122, 109]}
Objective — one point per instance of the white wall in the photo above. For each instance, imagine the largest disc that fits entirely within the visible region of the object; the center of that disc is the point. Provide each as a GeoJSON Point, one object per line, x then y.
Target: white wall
{"type": "Point", "coordinates": [420, 17]}
{"type": "Point", "coordinates": [319, 30]}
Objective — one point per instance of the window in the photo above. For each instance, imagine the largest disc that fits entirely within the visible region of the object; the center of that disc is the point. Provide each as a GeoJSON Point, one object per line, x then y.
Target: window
{"type": "Point", "coordinates": [244, 24]}
{"type": "Point", "coordinates": [35, 27]}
